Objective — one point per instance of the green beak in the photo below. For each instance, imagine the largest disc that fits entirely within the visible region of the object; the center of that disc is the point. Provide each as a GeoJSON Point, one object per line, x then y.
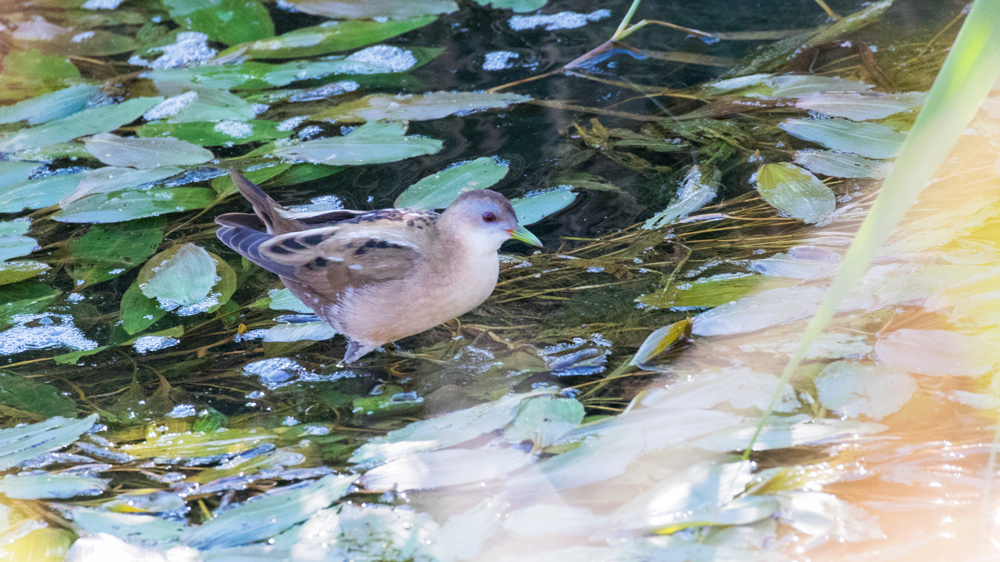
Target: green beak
{"type": "Point", "coordinates": [522, 234]}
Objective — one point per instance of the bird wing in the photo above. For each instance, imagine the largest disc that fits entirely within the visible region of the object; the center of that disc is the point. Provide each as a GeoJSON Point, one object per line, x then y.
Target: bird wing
{"type": "Point", "coordinates": [373, 248]}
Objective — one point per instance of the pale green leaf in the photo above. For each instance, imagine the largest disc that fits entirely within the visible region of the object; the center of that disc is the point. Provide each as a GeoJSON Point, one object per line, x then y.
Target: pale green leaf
{"type": "Point", "coordinates": [417, 107]}
{"type": "Point", "coordinates": [120, 206]}
{"type": "Point", "coordinates": [49, 106]}
{"type": "Point", "coordinates": [795, 192]}
{"type": "Point", "coordinates": [870, 140]}
{"type": "Point", "coordinates": [841, 164]}
{"type": "Point", "coordinates": [437, 191]}
{"type": "Point", "coordinates": [145, 152]}
{"type": "Point", "coordinates": [373, 143]}
{"type": "Point", "coordinates": [535, 207]}
{"type": "Point", "coordinates": [87, 122]}
{"type": "Point", "coordinates": [365, 9]}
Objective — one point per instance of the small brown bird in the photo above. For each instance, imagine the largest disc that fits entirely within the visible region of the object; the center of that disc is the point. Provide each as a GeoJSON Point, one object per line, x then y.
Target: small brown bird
{"type": "Point", "coordinates": [378, 276]}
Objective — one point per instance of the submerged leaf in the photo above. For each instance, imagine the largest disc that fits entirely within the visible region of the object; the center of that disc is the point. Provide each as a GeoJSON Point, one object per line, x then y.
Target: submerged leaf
{"type": "Point", "coordinates": [373, 143]}
{"type": "Point", "coordinates": [226, 21]}
{"type": "Point", "coordinates": [35, 396]}
{"type": "Point", "coordinates": [105, 252]}
{"type": "Point", "coordinates": [439, 190]}
{"type": "Point", "coordinates": [145, 152]}
{"type": "Point", "coordinates": [697, 190]}
{"type": "Point", "coordinates": [841, 164]}
{"type": "Point", "coordinates": [413, 107]}
{"type": "Point", "coordinates": [795, 192]}
{"type": "Point", "coordinates": [323, 39]}
{"type": "Point", "coordinates": [870, 140]}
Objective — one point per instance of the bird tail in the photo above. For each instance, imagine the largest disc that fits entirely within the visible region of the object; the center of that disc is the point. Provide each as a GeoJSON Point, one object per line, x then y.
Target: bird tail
{"type": "Point", "coordinates": [269, 211]}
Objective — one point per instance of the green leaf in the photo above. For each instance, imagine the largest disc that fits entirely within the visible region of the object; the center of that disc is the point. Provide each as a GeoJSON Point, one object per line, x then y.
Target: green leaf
{"type": "Point", "coordinates": [87, 122]}
{"type": "Point", "coordinates": [515, 5]}
{"type": "Point", "coordinates": [283, 299]}
{"type": "Point", "coordinates": [267, 515]}
{"type": "Point", "coordinates": [860, 106]}
{"type": "Point", "coordinates": [47, 107]}
{"type": "Point", "coordinates": [29, 73]}
{"type": "Point", "coordinates": [226, 21]}
{"type": "Point", "coordinates": [544, 420]}
{"type": "Point", "coordinates": [12, 243]}
{"type": "Point", "coordinates": [372, 143]}
{"type": "Point", "coordinates": [841, 164]}
{"type": "Point", "coordinates": [416, 107]}
{"type": "Point", "coordinates": [50, 486]}
{"type": "Point", "coordinates": [33, 395]}
{"type": "Point", "coordinates": [18, 444]}
{"type": "Point", "coordinates": [870, 140]}
{"type": "Point", "coordinates": [439, 190]}
{"type": "Point", "coordinates": [366, 9]}
{"type": "Point", "coordinates": [138, 311]}
{"type": "Point", "coordinates": [145, 152]}
{"type": "Point", "coordinates": [13, 173]}
{"type": "Point", "coordinates": [111, 178]}
{"type": "Point", "coordinates": [105, 252]}
{"type": "Point", "coordinates": [14, 271]}
{"type": "Point", "coordinates": [38, 193]}
{"type": "Point", "coordinates": [535, 207]}
{"type": "Point", "coordinates": [73, 357]}
{"type": "Point", "coordinates": [178, 278]}
{"type": "Point", "coordinates": [55, 40]}
{"type": "Point", "coordinates": [28, 297]}
{"type": "Point", "coordinates": [301, 173]}
{"type": "Point", "coordinates": [211, 133]}
{"type": "Point", "coordinates": [795, 192]}
{"type": "Point", "coordinates": [327, 38]}
{"type": "Point", "coordinates": [200, 104]}
{"type": "Point", "coordinates": [121, 206]}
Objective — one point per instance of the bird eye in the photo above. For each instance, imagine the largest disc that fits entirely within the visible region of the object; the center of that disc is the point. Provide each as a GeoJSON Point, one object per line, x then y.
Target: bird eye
{"type": "Point", "coordinates": [488, 217]}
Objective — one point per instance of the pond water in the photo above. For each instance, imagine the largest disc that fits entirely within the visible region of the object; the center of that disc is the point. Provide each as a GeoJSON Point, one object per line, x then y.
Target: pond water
{"type": "Point", "coordinates": [695, 187]}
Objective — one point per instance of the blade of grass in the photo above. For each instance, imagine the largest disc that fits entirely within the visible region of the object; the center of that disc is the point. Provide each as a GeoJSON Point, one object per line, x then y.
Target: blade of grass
{"type": "Point", "coordinates": [969, 71]}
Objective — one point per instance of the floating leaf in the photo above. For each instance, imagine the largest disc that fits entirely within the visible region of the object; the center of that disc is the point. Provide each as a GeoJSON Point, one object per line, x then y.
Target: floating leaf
{"type": "Point", "coordinates": [198, 103]}
{"type": "Point", "coordinates": [145, 153]}
{"type": "Point", "coordinates": [366, 9]}
{"type": "Point", "coordinates": [373, 143]}
{"type": "Point", "coordinates": [267, 514]}
{"type": "Point", "coordinates": [439, 190]}
{"type": "Point", "coordinates": [87, 122]}
{"type": "Point", "coordinates": [706, 292]}
{"type": "Point", "coordinates": [187, 280]}
{"type": "Point", "coordinates": [283, 299]}
{"type": "Point", "coordinates": [37, 33]}
{"type": "Point", "coordinates": [853, 389]}
{"type": "Point", "coordinates": [795, 192]}
{"type": "Point", "coordinates": [23, 298]}
{"type": "Point", "coordinates": [15, 271]}
{"type": "Point", "coordinates": [785, 85]}
{"type": "Point", "coordinates": [37, 397]}
{"type": "Point", "coordinates": [12, 242]}
{"type": "Point", "coordinates": [136, 526]}
{"type": "Point", "coordinates": [696, 191]}
{"type": "Point", "coordinates": [50, 486]}
{"type": "Point", "coordinates": [535, 207]}
{"type": "Point", "coordinates": [111, 178]}
{"type": "Point", "coordinates": [30, 73]}
{"type": "Point", "coordinates": [38, 193]}
{"type": "Point", "coordinates": [544, 420]}
{"type": "Point", "coordinates": [860, 106]}
{"type": "Point", "coordinates": [209, 133]}
{"type": "Point", "coordinates": [105, 252]}
{"type": "Point", "coordinates": [18, 444]}
{"type": "Point", "coordinates": [226, 21]}
{"type": "Point", "coordinates": [841, 164]}
{"type": "Point", "coordinates": [870, 140]}
{"type": "Point", "coordinates": [299, 331]}
{"type": "Point", "coordinates": [328, 38]}
{"type": "Point", "coordinates": [417, 107]}
{"type": "Point", "coordinates": [757, 312]}
{"type": "Point", "coordinates": [14, 173]}
{"type": "Point", "coordinates": [936, 353]}
{"type": "Point", "coordinates": [121, 206]}
{"type": "Point", "coordinates": [449, 467]}
{"type": "Point", "coordinates": [138, 311]}
{"type": "Point", "coordinates": [47, 107]}
{"type": "Point", "coordinates": [515, 5]}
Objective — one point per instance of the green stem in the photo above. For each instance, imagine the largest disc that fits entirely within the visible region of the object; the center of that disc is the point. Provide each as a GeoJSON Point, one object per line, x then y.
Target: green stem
{"type": "Point", "coordinates": [626, 20]}
{"type": "Point", "coordinates": [833, 15]}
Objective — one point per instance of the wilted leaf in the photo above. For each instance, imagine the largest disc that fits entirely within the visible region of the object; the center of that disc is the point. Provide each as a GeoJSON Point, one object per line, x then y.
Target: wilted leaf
{"type": "Point", "coordinates": [795, 192]}
{"type": "Point", "coordinates": [49, 106]}
{"type": "Point", "coordinates": [853, 389]}
{"type": "Point", "coordinates": [327, 38]}
{"type": "Point", "coordinates": [365, 9]}
{"type": "Point", "coordinates": [87, 122]}
{"type": "Point", "coordinates": [373, 143]}
{"type": "Point", "coordinates": [417, 107]}
{"type": "Point", "coordinates": [121, 206]}
{"type": "Point", "coordinates": [226, 21]}
{"type": "Point", "coordinates": [145, 152]}
{"type": "Point", "coordinates": [870, 140]}
{"type": "Point", "coordinates": [841, 164]}
{"type": "Point", "coordinates": [659, 341]}
{"type": "Point", "coordinates": [696, 191]}
{"type": "Point", "coordinates": [535, 207]}
{"type": "Point", "coordinates": [439, 190]}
